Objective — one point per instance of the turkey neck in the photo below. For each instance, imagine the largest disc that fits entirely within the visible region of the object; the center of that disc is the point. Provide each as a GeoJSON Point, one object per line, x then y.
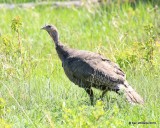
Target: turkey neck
{"type": "Point", "coordinates": [62, 51]}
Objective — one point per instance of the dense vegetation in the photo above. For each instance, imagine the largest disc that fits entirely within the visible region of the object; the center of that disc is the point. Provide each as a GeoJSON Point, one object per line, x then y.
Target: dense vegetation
{"type": "Point", "coordinates": [34, 90]}
{"type": "Point", "coordinates": [26, 1]}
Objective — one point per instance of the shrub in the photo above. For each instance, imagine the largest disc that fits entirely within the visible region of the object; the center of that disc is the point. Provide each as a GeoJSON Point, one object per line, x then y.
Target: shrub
{"type": "Point", "coordinates": [139, 53]}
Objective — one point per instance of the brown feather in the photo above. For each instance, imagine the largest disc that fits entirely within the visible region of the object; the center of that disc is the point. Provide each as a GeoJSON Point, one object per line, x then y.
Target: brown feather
{"type": "Point", "coordinates": [88, 69]}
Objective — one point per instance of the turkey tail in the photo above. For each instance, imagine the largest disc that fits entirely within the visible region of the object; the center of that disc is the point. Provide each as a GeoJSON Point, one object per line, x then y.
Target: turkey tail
{"type": "Point", "coordinates": [131, 95]}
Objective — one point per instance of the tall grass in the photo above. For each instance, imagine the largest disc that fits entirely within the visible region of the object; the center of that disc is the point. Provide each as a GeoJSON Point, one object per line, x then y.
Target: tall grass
{"type": "Point", "coordinates": [25, 1]}
{"type": "Point", "coordinates": [33, 83]}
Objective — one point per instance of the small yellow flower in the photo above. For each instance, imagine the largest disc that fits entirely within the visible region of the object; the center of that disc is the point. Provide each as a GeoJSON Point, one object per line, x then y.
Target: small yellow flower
{"type": "Point", "coordinates": [99, 103]}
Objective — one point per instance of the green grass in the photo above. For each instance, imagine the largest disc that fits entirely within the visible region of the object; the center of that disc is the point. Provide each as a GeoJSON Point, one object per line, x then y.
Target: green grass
{"type": "Point", "coordinates": [37, 92]}
{"type": "Point", "coordinates": [25, 1]}
{"type": "Point", "coordinates": [28, 1]}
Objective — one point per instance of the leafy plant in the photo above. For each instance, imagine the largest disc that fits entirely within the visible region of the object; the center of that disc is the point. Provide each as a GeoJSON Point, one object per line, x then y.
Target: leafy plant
{"type": "Point", "coordinates": [86, 116]}
{"type": "Point", "coordinates": [139, 53]}
{"type": "Point", "coordinates": [16, 25]}
{"type": "Point", "coordinates": [3, 111]}
{"type": "Point", "coordinates": [149, 46]}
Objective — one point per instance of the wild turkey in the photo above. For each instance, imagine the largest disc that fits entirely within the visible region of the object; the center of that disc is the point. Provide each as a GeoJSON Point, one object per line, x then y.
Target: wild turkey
{"type": "Point", "coordinates": [87, 69]}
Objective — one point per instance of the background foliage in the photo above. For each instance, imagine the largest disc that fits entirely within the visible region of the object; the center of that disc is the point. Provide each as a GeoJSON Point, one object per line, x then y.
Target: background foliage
{"type": "Point", "coordinates": [34, 89]}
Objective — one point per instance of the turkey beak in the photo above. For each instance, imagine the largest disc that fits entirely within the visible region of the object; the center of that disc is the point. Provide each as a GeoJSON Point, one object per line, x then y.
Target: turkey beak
{"type": "Point", "coordinates": [43, 28]}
